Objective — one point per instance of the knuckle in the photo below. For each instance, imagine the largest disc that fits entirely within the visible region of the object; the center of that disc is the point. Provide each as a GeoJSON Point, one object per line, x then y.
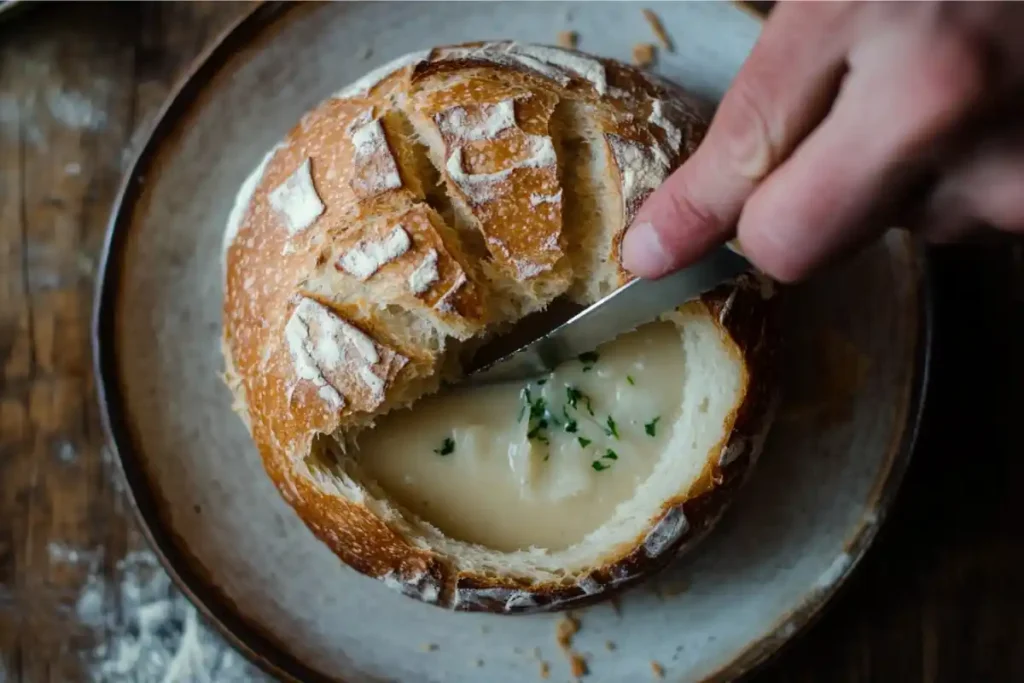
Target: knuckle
{"type": "Point", "coordinates": [750, 138]}
{"type": "Point", "coordinates": [698, 218]}
{"type": "Point", "coordinates": [955, 76]}
{"type": "Point", "coordinates": [779, 264]}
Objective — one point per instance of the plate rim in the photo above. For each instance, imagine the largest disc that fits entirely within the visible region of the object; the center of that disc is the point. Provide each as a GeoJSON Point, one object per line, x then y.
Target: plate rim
{"type": "Point", "coordinates": [188, 575]}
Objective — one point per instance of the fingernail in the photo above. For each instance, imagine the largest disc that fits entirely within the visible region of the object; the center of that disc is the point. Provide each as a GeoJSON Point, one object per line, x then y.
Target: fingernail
{"type": "Point", "coordinates": [643, 253]}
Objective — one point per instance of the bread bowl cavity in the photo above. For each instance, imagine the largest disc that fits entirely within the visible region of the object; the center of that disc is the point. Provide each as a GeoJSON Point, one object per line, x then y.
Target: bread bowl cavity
{"type": "Point", "coordinates": [421, 211]}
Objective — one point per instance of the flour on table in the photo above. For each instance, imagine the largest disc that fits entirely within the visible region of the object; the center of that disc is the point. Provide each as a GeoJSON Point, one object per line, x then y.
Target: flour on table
{"type": "Point", "coordinates": [75, 110]}
{"type": "Point", "coordinates": [144, 630]}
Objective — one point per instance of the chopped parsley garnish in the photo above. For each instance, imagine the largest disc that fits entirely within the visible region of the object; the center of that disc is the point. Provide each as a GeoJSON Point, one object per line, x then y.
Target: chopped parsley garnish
{"type": "Point", "coordinates": [447, 446]}
{"type": "Point", "coordinates": [584, 442]}
{"type": "Point", "coordinates": [652, 427]}
{"type": "Point", "coordinates": [588, 359]}
{"type": "Point", "coordinates": [611, 429]}
{"type": "Point", "coordinates": [538, 414]}
{"type": "Point", "coordinates": [573, 396]}
{"type": "Point", "coordinates": [610, 455]}
{"type": "Point", "coordinates": [629, 378]}
{"type": "Point", "coordinates": [599, 466]}
{"type": "Point", "coordinates": [537, 408]}
{"type": "Point", "coordinates": [570, 424]}
{"type": "Point", "coordinates": [536, 429]}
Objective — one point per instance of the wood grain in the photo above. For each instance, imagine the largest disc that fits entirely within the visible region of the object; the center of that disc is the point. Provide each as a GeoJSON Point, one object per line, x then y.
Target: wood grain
{"type": "Point", "coordinates": [939, 598]}
{"type": "Point", "coordinates": [77, 84]}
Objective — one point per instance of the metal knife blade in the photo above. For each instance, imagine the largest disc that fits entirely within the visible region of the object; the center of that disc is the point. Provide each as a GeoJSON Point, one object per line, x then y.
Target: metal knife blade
{"type": "Point", "coordinates": [639, 302]}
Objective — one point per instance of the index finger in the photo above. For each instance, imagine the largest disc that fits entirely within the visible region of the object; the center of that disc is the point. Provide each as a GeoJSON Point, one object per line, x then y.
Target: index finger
{"type": "Point", "coordinates": [781, 93]}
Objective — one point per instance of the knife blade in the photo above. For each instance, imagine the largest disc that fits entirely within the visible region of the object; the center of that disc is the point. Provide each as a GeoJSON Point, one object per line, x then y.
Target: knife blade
{"type": "Point", "coordinates": [625, 309]}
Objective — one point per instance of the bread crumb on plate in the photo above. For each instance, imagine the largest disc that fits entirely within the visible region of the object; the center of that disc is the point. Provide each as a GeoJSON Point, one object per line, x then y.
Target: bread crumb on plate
{"type": "Point", "coordinates": [609, 645]}
{"type": "Point", "coordinates": [545, 669]}
{"type": "Point", "coordinates": [428, 647]}
{"type": "Point", "coordinates": [643, 54]}
{"type": "Point", "coordinates": [578, 664]}
{"type": "Point", "coordinates": [658, 29]}
{"type": "Point", "coordinates": [565, 629]}
{"type": "Point", "coordinates": [568, 39]}
{"type": "Point", "coordinates": [658, 670]}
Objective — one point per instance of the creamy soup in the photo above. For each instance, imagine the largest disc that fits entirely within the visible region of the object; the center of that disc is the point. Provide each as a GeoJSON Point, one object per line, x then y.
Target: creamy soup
{"type": "Point", "coordinates": [540, 464]}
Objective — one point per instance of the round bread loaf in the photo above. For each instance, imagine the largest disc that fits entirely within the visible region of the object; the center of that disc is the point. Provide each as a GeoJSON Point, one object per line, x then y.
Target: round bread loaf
{"type": "Point", "coordinates": [421, 211]}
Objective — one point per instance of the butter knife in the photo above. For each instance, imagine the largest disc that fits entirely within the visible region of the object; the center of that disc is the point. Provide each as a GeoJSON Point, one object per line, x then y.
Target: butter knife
{"type": "Point", "coordinates": [625, 309]}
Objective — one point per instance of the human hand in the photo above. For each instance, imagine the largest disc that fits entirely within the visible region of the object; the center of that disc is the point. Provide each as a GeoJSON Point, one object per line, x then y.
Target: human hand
{"type": "Point", "coordinates": [845, 117]}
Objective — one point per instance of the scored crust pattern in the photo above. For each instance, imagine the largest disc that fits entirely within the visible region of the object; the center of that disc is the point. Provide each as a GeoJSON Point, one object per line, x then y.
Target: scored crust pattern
{"type": "Point", "coordinates": [405, 219]}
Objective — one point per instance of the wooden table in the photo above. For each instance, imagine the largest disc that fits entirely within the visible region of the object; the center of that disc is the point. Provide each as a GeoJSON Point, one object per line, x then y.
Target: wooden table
{"type": "Point", "coordinates": [939, 598]}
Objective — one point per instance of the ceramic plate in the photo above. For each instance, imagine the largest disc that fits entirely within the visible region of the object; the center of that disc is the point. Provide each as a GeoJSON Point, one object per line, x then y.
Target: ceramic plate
{"type": "Point", "coordinates": [854, 372]}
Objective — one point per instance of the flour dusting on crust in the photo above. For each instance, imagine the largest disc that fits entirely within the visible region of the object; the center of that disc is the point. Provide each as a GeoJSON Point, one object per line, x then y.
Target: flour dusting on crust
{"type": "Point", "coordinates": [311, 355]}
{"type": "Point", "coordinates": [538, 199]}
{"type": "Point", "coordinates": [364, 85]}
{"type": "Point", "coordinates": [584, 67]}
{"type": "Point", "coordinates": [641, 169]}
{"type": "Point", "coordinates": [484, 187]}
{"type": "Point", "coordinates": [296, 201]}
{"type": "Point", "coordinates": [552, 63]}
{"type": "Point", "coordinates": [669, 528]}
{"type": "Point", "coordinates": [673, 136]}
{"type": "Point", "coordinates": [425, 273]}
{"type": "Point", "coordinates": [444, 304]}
{"type": "Point", "coordinates": [458, 123]}
{"type": "Point", "coordinates": [374, 167]}
{"type": "Point", "coordinates": [322, 345]}
{"type": "Point", "coordinates": [366, 258]}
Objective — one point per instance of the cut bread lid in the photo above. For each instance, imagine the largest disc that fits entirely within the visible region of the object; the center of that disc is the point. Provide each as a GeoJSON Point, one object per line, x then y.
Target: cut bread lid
{"type": "Point", "coordinates": [351, 287]}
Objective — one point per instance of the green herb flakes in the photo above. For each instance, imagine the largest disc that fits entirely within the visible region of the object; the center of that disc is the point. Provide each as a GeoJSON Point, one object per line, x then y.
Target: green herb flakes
{"type": "Point", "coordinates": [652, 427]}
{"type": "Point", "coordinates": [610, 455]}
{"type": "Point", "coordinates": [571, 425]}
{"type": "Point", "coordinates": [538, 407]}
{"type": "Point", "coordinates": [572, 396]}
{"type": "Point", "coordinates": [611, 429]}
{"type": "Point", "coordinates": [629, 378]}
{"type": "Point", "coordinates": [447, 446]}
{"type": "Point", "coordinates": [584, 441]}
{"type": "Point", "coordinates": [536, 429]}
{"type": "Point", "coordinates": [599, 466]}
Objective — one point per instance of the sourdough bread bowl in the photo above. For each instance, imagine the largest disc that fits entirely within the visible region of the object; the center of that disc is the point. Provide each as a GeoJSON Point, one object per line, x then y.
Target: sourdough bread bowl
{"type": "Point", "coordinates": [420, 212]}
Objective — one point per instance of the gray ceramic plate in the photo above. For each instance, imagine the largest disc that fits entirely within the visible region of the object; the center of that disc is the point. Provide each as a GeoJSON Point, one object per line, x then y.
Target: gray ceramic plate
{"type": "Point", "coordinates": [855, 370]}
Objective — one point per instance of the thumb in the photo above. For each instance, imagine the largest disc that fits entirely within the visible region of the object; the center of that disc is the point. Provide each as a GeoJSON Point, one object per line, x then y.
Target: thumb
{"type": "Point", "coordinates": [781, 93]}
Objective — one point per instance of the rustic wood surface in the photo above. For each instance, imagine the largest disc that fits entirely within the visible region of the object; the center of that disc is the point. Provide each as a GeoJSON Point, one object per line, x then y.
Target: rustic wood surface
{"type": "Point", "coordinates": [939, 598]}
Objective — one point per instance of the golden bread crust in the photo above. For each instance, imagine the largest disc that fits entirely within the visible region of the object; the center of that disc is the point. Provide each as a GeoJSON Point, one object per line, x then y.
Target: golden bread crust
{"type": "Point", "coordinates": [354, 278]}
